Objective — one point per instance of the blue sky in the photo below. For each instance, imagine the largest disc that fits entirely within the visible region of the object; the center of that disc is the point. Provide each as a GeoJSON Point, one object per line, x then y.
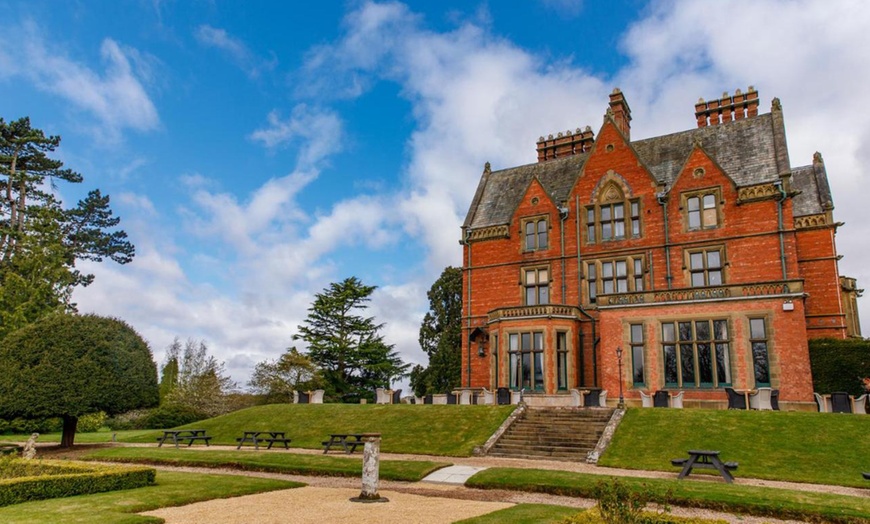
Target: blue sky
{"type": "Point", "coordinates": [257, 151]}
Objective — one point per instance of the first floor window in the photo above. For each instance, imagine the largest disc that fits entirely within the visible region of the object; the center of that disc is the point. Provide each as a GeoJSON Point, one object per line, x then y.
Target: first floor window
{"type": "Point", "coordinates": [536, 234]}
{"type": "Point", "coordinates": [705, 267]}
{"type": "Point", "coordinates": [537, 286]}
{"type": "Point", "coordinates": [696, 353]}
{"type": "Point", "coordinates": [636, 334]}
{"type": "Point", "coordinates": [526, 360]}
{"type": "Point", "coordinates": [760, 360]}
{"type": "Point", "coordinates": [613, 221]}
{"type": "Point", "coordinates": [562, 359]}
{"type": "Point", "coordinates": [622, 275]}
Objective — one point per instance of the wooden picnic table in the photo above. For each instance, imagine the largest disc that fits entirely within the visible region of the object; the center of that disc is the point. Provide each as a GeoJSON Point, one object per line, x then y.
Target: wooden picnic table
{"type": "Point", "coordinates": [255, 437]}
{"type": "Point", "coordinates": [705, 459]}
{"type": "Point", "coordinates": [181, 435]}
{"type": "Point", "coordinates": [348, 441]}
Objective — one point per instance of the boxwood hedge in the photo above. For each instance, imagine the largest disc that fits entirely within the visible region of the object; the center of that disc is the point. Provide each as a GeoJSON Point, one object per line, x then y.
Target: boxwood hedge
{"type": "Point", "coordinates": [47, 479]}
{"type": "Point", "coordinates": [839, 365]}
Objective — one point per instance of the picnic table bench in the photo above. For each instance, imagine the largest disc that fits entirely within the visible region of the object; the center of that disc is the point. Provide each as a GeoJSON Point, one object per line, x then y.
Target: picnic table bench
{"type": "Point", "coordinates": [256, 437]}
{"type": "Point", "coordinates": [348, 441]}
{"type": "Point", "coordinates": [705, 459]}
{"type": "Point", "coordinates": [181, 435]}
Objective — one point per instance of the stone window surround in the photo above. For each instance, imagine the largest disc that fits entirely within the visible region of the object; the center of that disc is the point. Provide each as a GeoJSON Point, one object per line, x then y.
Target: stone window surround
{"type": "Point", "coordinates": [700, 193]}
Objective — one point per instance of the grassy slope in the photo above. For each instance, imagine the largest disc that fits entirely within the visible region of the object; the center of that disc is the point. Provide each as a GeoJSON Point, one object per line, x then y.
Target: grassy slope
{"type": "Point", "coordinates": [118, 507]}
{"type": "Point", "coordinates": [405, 428]}
{"type": "Point", "coordinates": [823, 448]}
{"type": "Point", "coordinates": [733, 498]}
{"type": "Point", "coordinates": [292, 463]}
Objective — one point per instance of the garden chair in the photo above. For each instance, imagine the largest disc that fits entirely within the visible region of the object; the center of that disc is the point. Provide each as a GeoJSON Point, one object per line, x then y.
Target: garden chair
{"type": "Point", "coordinates": [576, 398]}
{"type": "Point", "coordinates": [381, 396]}
{"type": "Point", "coordinates": [841, 402]}
{"type": "Point", "coordinates": [317, 396]}
{"type": "Point", "coordinates": [760, 399]}
{"type": "Point", "coordinates": [465, 397]}
{"type": "Point", "coordinates": [304, 398]}
{"type": "Point", "coordinates": [774, 399]}
{"type": "Point", "coordinates": [503, 396]}
{"type": "Point", "coordinates": [861, 404]}
{"type": "Point", "coordinates": [661, 399]}
{"type": "Point", "coordinates": [451, 398]}
{"type": "Point", "coordinates": [821, 403]}
{"type": "Point", "coordinates": [677, 400]}
{"type": "Point", "coordinates": [646, 400]}
{"type": "Point", "coordinates": [397, 396]}
{"type": "Point", "coordinates": [427, 399]}
{"type": "Point", "coordinates": [488, 397]}
{"type": "Point", "coordinates": [735, 399]}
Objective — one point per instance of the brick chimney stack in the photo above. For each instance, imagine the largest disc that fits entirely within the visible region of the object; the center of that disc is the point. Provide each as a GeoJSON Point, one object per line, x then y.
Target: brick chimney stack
{"type": "Point", "coordinates": [727, 109]}
{"type": "Point", "coordinates": [621, 112]}
{"type": "Point", "coordinates": [565, 144]}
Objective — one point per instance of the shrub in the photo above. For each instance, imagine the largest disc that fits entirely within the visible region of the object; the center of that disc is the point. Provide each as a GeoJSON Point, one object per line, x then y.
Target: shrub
{"type": "Point", "coordinates": [163, 417]}
{"type": "Point", "coordinates": [619, 504]}
{"type": "Point", "coordinates": [592, 516]}
{"type": "Point", "coordinates": [839, 365]}
{"type": "Point", "coordinates": [19, 426]}
{"type": "Point", "coordinates": [92, 422]}
{"type": "Point", "coordinates": [46, 479]}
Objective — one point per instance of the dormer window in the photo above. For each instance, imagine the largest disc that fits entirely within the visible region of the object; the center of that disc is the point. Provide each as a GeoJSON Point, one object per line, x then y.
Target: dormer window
{"type": "Point", "coordinates": [702, 210]}
{"type": "Point", "coordinates": [614, 217]}
{"type": "Point", "coordinates": [535, 237]}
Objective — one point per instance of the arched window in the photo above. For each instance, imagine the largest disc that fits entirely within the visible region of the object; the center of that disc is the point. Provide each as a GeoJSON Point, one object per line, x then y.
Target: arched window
{"type": "Point", "coordinates": [613, 216]}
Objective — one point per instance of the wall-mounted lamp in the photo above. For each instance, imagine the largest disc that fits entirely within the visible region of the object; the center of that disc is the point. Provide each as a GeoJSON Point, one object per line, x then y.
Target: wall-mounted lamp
{"type": "Point", "coordinates": [480, 352]}
{"type": "Point", "coordinates": [788, 305]}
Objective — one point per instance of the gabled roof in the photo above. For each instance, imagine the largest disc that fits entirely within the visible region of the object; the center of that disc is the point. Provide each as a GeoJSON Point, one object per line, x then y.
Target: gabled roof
{"type": "Point", "coordinates": [500, 192]}
{"type": "Point", "coordinates": [815, 193]}
{"type": "Point", "coordinates": [745, 149]}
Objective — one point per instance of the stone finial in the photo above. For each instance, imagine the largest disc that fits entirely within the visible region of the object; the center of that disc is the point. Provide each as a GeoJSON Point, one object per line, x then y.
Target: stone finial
{"type": "Point", "coordinates": [559, 134]}
{"type": "Point", "coordinates": [817, 158]}
{"type": "Point", "coordinates": [588, 129]}
{"type": "Point", "coordinates": [577, 131]}
{"type": "Point", "coordinates": [541, 139]}
{"type": "Point", "coordinates": [487, 168]}
{"type": "Point", "coordinates": [615, 91]}
{"type": "Point", "coordinates": [738, 91]}
{"type": "Point", "coordinates": [775, 104]}
{"type": "Point", "coordinates": [549, 137]}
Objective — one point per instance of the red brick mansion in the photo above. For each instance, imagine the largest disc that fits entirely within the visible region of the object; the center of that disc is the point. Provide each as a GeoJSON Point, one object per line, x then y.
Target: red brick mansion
{"type": "Point", "coordinates": [703, 255]}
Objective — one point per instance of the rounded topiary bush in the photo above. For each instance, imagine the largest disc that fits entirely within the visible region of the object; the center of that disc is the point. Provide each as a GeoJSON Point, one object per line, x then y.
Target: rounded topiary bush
{"type": "Point", "coordinates": [72, 365]}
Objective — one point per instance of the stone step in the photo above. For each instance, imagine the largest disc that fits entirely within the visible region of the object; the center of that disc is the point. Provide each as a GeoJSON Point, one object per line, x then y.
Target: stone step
{"type": "Point", "coordinates": [554, 434]}
{"type": "Point", "coordinates": [580, 441]}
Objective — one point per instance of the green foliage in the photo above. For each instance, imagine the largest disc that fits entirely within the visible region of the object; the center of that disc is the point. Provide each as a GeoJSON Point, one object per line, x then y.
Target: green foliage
{"type": "Point", "coordinates": [70, 365]}
{"type": "Point", "coordinates": [348, 348]}
{"type": "Point", "coordinates": [168, 376]}
{"type": "Point", "coordinates": [121, 507]}
{"type": "Point", "coordinates": [26, 480]}
{"type": "Point", "coordinates": [162, 417]}
{"type": "Point", "coordinates": [20, 425]}
{"type": "Point", "coordinates": [440, 336]}
{"type": "Point", "coordinates": [618, 503]}
{"type": "Point", "coordinates": [92, 422]}
{"type": "Point", "coordinates": [822, 448]}
{"type": "Point", "coordinates": [406, 428]}
{"type": "Point", "coordinates": [202, 384]}
{"type": "Point", "coordinates": [840, 365]}
{"type": "Point", "coordinates": [731, 498]}
{"type": "Point", "coordinates": [277, 379]}
{"type": "Point", "coordinates": [40, 241]}
{"type": "Point", "coordinates": [593, 516]}
{"type": "Point", "coordinates": [287, 463]}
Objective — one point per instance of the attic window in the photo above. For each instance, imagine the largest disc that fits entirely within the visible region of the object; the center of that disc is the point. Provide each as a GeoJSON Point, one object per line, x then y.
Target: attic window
{"type": "Point", "coordinates": [535, 234]}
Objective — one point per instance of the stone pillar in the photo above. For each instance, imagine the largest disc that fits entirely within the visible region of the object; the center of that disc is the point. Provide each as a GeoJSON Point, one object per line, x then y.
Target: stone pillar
{"type": "Point", "coordinates": [370, 469]}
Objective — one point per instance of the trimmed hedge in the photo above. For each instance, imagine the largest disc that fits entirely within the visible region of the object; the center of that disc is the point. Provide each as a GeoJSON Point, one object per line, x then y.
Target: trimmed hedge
{"type": "Point", "coordinates": [839, 365]}
{"type": "Point", "coordinates": [50, 479]}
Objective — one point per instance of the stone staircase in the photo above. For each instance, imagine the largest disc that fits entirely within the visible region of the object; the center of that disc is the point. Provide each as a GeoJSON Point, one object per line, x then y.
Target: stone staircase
{"type": "Point", "coordinates": [553, 434]}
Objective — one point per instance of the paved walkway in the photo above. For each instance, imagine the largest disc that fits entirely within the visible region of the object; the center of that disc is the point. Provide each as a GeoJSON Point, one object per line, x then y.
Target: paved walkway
{"type": "Point", "coordinates": [453, 475]}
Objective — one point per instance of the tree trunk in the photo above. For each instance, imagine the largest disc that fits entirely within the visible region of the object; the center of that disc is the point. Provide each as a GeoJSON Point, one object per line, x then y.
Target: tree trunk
{"type": "Point", "coordinates": [69, 431]}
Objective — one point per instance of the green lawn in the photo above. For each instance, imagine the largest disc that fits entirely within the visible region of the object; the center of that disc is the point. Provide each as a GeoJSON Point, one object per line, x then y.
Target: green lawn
{"type": "Point", "coordinates": [104, 435]}
{"type": "Point", "coordinates": [822, 448]}
{"type": "Point", "coordinates": [731, 498]}
{"type": "Point", "coordinates": [405, 428]}
{"type": "Point", "coordinates": [524, 514]}
{"type": "Point", "coordinates": [292, 463]}
{"type": "Point", "coordinates": [118, 507]}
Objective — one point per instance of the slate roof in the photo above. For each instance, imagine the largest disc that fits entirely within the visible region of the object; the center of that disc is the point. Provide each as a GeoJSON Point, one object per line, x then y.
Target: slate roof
{"type": "Point", "coordinates": [745, 149]}
{"type": "Point", "coordinates": [815, 193]}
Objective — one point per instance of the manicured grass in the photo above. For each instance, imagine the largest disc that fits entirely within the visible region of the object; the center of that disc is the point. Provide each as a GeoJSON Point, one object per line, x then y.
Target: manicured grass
{"type": "Point", "coordinates": [405, 428]}
{"type": "Point", "coordinates": [524, 514]}
{"type": "Point", "coordinates": [292, 463]}
{"type": "Point", "coordinates": [731, 498]}
{"type": "Point", "coordinates": [81, 438]}
{"type": "Point", "coordinates": [822, 448]}
{"type": "Point", "coordinates": [118, 507]}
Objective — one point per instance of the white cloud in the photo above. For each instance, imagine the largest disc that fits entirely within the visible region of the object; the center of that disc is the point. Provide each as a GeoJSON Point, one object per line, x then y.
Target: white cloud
{"type": "Point", "coordinates": [116, 97]}
{"type": "Point", "coordinates": [476, 97]}
{"type": "Point", "coordinates": [238, 52]}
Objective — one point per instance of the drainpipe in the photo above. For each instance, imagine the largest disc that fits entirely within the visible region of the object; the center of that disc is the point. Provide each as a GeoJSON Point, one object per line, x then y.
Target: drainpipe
{"type": "Point", "coordinates": [468, 321]}
{"type": "Point", "coordinates": [662, 198]}
{"type": "Point", "coordinates": [581, 366]}
{"type": "Point", "coordinates": [779, 201]}
{"type": "Point", "coordinates": [563, 215]}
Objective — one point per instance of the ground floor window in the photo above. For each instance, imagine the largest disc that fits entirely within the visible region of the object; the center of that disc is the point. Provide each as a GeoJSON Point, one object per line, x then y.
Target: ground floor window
{"type": "Point", "coordinates": [562, 359]}
{"type": "Point", "coordinates": [526, 352]}
{"type": "Point", "coordinates": [760, 358]}
{"type": "Point", "coordinates": [637, 372]}
{"type": "Point", "coordinates": [697, 353]}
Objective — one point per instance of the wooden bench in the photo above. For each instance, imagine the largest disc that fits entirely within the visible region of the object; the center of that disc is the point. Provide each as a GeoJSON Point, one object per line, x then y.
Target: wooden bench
{"type": "Point", "coordinates": [348, 442]}
{"type": "Point", "coordinates": [256, 437]}
{"type": "Point", "coordinates": [181, 435]}
{"type": "Point", "coordinates": [705, 459]}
